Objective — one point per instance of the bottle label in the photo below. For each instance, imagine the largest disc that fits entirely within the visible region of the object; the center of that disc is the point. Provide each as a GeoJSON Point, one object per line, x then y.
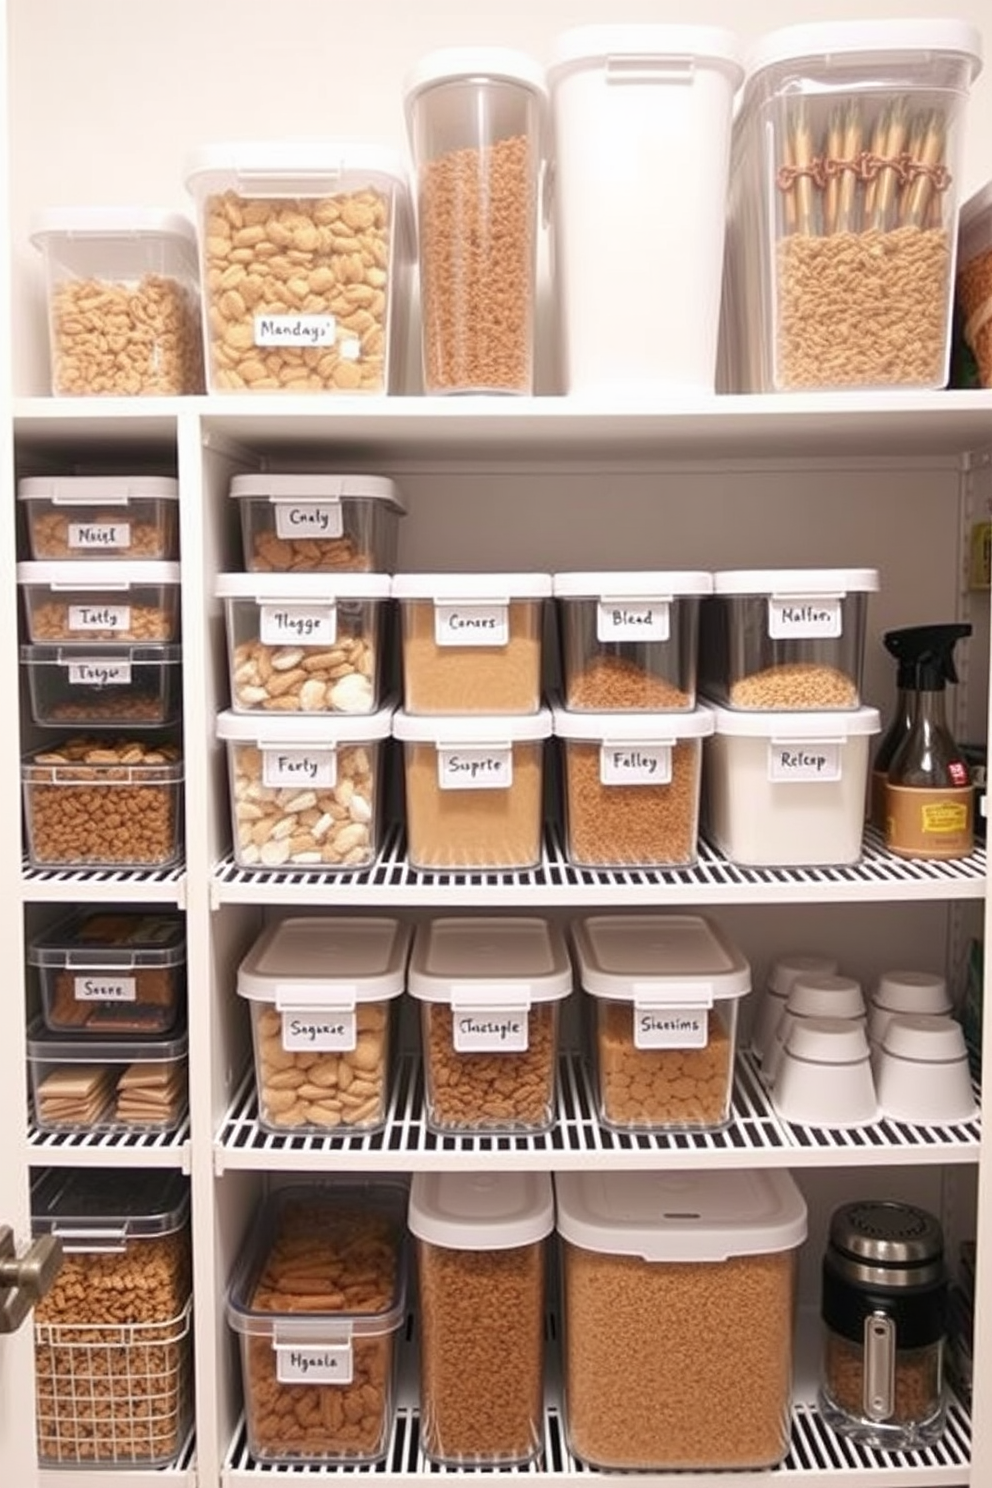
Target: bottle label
{"type": "Point", "coordinates": [930, 823]}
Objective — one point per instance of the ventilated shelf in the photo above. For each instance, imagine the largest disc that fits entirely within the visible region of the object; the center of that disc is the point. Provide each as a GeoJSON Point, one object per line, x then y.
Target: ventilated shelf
{"type": "Point", "coordinates": [137, 1149]}
{"type": "Point", "coordinates": [183, 1470]}
{"type": "Point", "coordinates": [117, 885]}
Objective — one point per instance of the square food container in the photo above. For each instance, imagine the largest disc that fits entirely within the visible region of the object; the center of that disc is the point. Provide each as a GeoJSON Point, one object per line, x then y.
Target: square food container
{"type": "Point", "coordinates": [784, 640]}
{"type": "Point", "coordinates": [100, 517]}
{"type": "Point", "coordinates": [474, 788]}
{"type": "Point", "coordinates": [844, 194]}
{"type": "Point", "coordinates": [480, 1245]}
{"type": "Point", "coordinates": [113, 1355]}
{"type": "Point", "coordinates": [104, 686]}
{"type": "Point", "coordinates": [77, 604]}
{"type": "Point", "coordinates": [631, 783]}
{"type": "Point", "coordinates": [678, 1302]}
{"type": "Point", "coordinates": [489, 990]}
{"type": "Point", "coordinates": [974, 280]}
{"type": "Point", "coordinates": [322, 992]}
{"type": "Point", "coordinates": [107, 972]}
{"type": "Point", "coordinates": [304, 643]}
{"type": "Point", "coordinates": [305, 792]}
{"type": "Point", "coordinates": [787, 789]}
{"type": "Point", "coordinates": [305, 254]}
{"type": "Point", "coordinates": [88, 1084]}
{"type": "Point", "coordinates": [663, 992]}
{"type": "Point", "coordinates": [317, 1298]}
{"type": "Point", "coordinates": [123, 301]}
{"type": "Point", "coordinates": [324, 523]}
{"type": "Point", "coordinates": [472, 642]}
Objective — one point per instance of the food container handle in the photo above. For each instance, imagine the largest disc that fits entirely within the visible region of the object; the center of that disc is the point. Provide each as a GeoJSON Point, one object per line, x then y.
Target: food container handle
{"type": "Point", "coordinates": [621, 68]}
{"type": "Point", "coordinates": [681, 994]}
{"type": "Point", "coordinates": [282, 183]}
{"type": "Point", "coordinates": [294, 997]}
{"type": "Point", "coordinates": [103, 1240]}
{"type": "Point", "coordinates": [491, 994]}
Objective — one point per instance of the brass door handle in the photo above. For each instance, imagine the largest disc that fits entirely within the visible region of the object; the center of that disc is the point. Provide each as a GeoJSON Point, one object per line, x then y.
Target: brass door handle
{"type": "Point", "coordinates": [25, 1279]}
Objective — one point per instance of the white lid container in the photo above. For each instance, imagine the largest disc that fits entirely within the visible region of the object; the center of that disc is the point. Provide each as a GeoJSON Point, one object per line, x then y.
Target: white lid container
{"type": "Point", "coordinates": [665, 729]}
{"type": "Point", "coordinates": [98, 575]}
{"type": "Point", "coordinates": [318, 961]}
{"type": "Point", "coordinates": [791, 583]}
{"type": "Point", "coordinates": [103, 490]}
{"type": "Point", "coordinates": [300, 588]}
{"type": "Point", "coordinates": [93, 517]}
{"type": "Point", "coordinates": [511, 960]}
{"type": "Point", "coordinates": [781, 974]}
{"type": "Point", "coordinates": [77, 224]}
{"type": "Point", "coordinates": [658, 959]}
{"type": "Point", "coordinates": [470, 588]}
{"type": "Point", "coordinates": [922, 1070]}
{"type": "Point", "coordinates": [825, 1078]}
{"type": "Point", "coordinates": [325, 522]}
{"type": "Point", "coordinates": [481, 1211]}
{"type": "Point", "coordinates": [637, 583]}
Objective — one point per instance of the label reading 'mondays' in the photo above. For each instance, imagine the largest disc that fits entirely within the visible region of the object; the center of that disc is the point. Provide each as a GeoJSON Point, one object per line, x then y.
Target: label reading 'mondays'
{"type": "Point", "coordinates": [308, 519]}
{"type": "Point", "coordinates": [99, 617]}
{"type": "Point", "coordinates": [99, 535]}
{"type": "Point", "coordinates": [807, 619]}
{"type": "Point", "coordinates": [474, 767]}
{"type": "Point", "coordinates": [334, 1031]}
{"type": "Point", "coordinates": [322, 1364]}
{"type": "Point", "coordinates": [310, 625]}
{"type": "Point", "coordinates": [304, 769]}
{"type": "Point", "coordinates": [469, 624]}
{"type": "Point", "coordinates": [632, 620]}
{"type": "Point", "coordinates": [481, 1030]}
{"type": "Point", "coordinates": [98, 988]}
{"type": "Point", "coordinates": [295, 330]}
{"type": "Point", "coordinates": [804, 761]}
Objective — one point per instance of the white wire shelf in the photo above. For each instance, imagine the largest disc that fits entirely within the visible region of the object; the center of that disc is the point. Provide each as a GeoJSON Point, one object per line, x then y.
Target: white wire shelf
{"type": "Point", "coordinates": [183, 1470]}
{"type": "Point", "coordinates": [134, 1149]}
{"type": "Point", "coordinates": [119, 885]}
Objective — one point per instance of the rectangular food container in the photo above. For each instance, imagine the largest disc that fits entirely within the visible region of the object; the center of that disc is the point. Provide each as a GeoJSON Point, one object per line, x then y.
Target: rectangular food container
{"type": "Point", "coordinates": [104, 686]}
{"type": "Point", "coordinates": [317, 1298]}
{"type": "Point", "coordinates": [322, 993]}
{"type": "Point", "coordinates": [113, 1356]}
{"type": "Point", "coordinates": [678, 1302]}
{"type": "Point", "coordinates": [318, 523]}
{"type": "Point", "coordinates": [787, 789]}
{"type": "Point", "coordinates": [304, 643]}
{"type": "Point", "coordinates": [631, 785]}
{"type": "Point", "coordinates": [844, 194]}
{"type": "Point", "coordinates": [662, 1005]}
{"type": "Point", "coordinates": [472, 642]}
{"type": "Point", "coordinates": [305, 256]}
{"type": "Point", "coordinates": [474, 788]}
{"type": "Point", "coordinates": [107, 972]}
{"type": "Point", "coordinates": [96, 803]}
{"type": "Point", "coordinates": [785, 640]}
{"type": "Point", "coordinates": [480, 1244]}
{"type": "Point", "coordinates": [123, 301]}
{"type": "Point", "coordinates": [305, 792]}
{"type": "Point", "coordinates": [78, 604]}
{"type": "Point", "coordinates": [89, 1084]}
{"type": "Point", "coordinates": [489, 990]}
{"type": "Point", "coordinates": [974, 280]}
{"type": "Point", "coordinates": [100, 517]}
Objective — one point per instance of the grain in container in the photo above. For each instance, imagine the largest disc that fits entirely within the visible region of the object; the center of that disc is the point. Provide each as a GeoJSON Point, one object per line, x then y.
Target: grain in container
{"type": "Point", "coordinates": [306, 643]}
{"type": "Point", "coordinates": [305, 791]}
{"type": "Point", "coordinates": [305, 252]}
{"type": "Point", "coordinates": [322, 992]}
{"type": "Point", "coordinates": [110, 1084]}
{"type": "Point", "coordinates": [471, 641]}
{"type": "Point", "coordinates": [843, 208]}
{"type": "Point", "coordinates": [480, 1243]}
{"type": "Point", "coordinates": [631, 786]}
{"type": "Point", "coordinates": [974, 280]}
{"type": "Point", "coordinates": [678, 1299]}
{"type": "Point", "coordinates": [489, 990]}
{"type": "Point", "coordinates": [474, 788]}
{"type": "Point", "coordinates": [123, 301]}
{"type": "Point", "coordinates": [787, 790]}
{"type": "Point", "coordinates": [112, 1339]}
{"type": "Point", "coordinates": [104, 686]}
{"type": "Point", "coordinates": [477, 128]}
{"type": "Point", "coordinates": [662, 1005]}
{"type": "Point", "coordinates": [317, 1298]}
{"type": "Point", "coordinates": [106, 600]}
{"type": "Point", "coordinates": [318, 522]}
{"type": "Point", "coordinates": [779, 640]}
{"type": "Point", "coordinates": [113, 971]}
{"type": "Point", "coordinates": [642, 119]}
{"type": "Point", "coordinates": [87, 517]}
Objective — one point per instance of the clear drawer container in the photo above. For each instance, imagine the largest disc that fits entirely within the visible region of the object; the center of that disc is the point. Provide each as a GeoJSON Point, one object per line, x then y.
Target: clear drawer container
{"type": "Point", "coordinates": [104, 686]}
{"type": "Point", "coordinates": [100, 517]}
{"type": "Point", "coordinates": [318, 523]}
{"type": "Point", "coordinates": [78, 604]}
{"type": "Point", "coordinates": [90, 1084]}
{"type": "Point", "coordinates": [974, 280]}
{"type": "Point", "coordinates": [114, 971]}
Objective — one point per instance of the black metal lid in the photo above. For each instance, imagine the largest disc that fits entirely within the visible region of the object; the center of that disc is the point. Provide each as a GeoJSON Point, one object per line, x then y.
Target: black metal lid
{"type": "Point", "coordinates": [883, 1232]}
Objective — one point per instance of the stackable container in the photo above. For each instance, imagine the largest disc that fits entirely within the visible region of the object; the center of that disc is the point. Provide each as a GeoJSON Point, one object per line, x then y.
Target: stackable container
{"type": "Point", "coordinates": [90, 1084]}
{"type": "Point", "coordinates": [327, 311]}
{"type": "Point", "coordinates": [678, 1296]}
{"type": "Point", "coordinates": [117, 971]}
{"type": "Point", "coordinates": [844, 193]}
{"type": "Point", "coordinates": [974, 280]}
{"type": "Point", "coordinates": [662, 1003]}
{"type": "Point", "coordinates": [100, 517]}
{"type": "Point", "coordinates": [313, 523]}
{"type": "Point", "coordinates": [104, 686]}
{"type": "Point", "coordinates": [782, 974]}
{"type": "Point", "coordinates": [322, 991]}
{"type": "Point", "coordinates": [77, 604]}
{"type": "Point", "coordinates": [642, 118]}
{"type": "Point", "coordinates": [480, 1245]}
{"type": "Point", "coordinates": [489, 990]}
{"type": "Point", "coordinates": [787, 790]}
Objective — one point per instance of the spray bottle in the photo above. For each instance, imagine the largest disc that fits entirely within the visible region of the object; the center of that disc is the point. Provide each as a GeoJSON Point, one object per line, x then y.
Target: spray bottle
{"type": "Point", "coordinates": [898, 643]}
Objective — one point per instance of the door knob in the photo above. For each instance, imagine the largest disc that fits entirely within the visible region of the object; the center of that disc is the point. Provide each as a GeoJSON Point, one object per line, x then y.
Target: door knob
{"type": "Point", "coordinates": [25, 1279]}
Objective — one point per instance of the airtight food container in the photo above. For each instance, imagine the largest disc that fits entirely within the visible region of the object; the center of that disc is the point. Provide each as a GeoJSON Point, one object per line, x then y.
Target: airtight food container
{"type": "Point", "coordinates": [678, 1299]}
{"type": "Point", "coordinates": [104, 686]}
{"type": "Point", "coordinates": [318, 523]}
{"type": "Point", "coordinates": [110, 600]}
{"type": "Point", "coordinates": [305, 256]}
{"type": "Point", "coordinates": [322, 991]}
{"type": "Point", "coordinates": [974, 280]}
{"type": "Point", "coordinates": [480, 1244]}
{"type": "Point", "coordinates": [844, 191]}
{"type": "Point", "coordinates": [111, 972]}
{"type": "Point", "coordinates": [317, 1299]}
{"type": "Point", "coordinates": [663, 992]}
{"type": "Point", "coordinates": [110, 1084]}
{"type": "Point", "coordinates": [787, 790]}
{"type": "Point", "coordinates": [785, 640]}
{"type": "Point", "coordinates": [100, 517]}
{"type": "Point", "coordinates": [489, 989]}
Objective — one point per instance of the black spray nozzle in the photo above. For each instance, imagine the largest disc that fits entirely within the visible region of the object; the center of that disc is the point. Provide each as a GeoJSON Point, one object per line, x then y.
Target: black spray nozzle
{"type": "Point", "coordinates": [925, 654]}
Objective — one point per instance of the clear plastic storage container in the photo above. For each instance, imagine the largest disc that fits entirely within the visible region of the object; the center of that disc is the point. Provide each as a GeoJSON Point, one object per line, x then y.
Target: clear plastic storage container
{"type": "Point", "coordinates": [114, 971]}
{"type": "Point", "coordinates": [843, 210]}
{"type": "Point", "coordinates": [305, 253]}
{"type": "Point", "coordinates": [974, 280]}
{"type": "Point", "coordinates": [489, 990]}
{"type": "Point", "coordinates": [678, 1294]}
{"type": "Point", "coordinates": [480, 1244]}
{"type": "Point", "coordinates": [318, 523]}
{"type": "Point", "coordinates": [112, 600]}
{"type": "Point", "coordinates": [86, 1084]}
{"type": "Point", "coordinates": [663, 995]}
{"type": "Point", "coordinates": [104, 686]}
{"type": "Point", "coordinates": [322, 991]}
{"type": "Point", "coordinates": [87, 517]}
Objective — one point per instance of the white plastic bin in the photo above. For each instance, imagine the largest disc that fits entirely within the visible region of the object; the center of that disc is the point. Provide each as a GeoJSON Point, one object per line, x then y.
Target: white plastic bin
{"type": "Point", "coordinates": [317, 523]}
{"type": "Point", "coordinates": [974, 280]}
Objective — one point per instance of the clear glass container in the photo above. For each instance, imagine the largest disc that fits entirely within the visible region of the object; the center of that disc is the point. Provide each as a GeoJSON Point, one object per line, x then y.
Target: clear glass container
{"type": "Point", "coordinates": [79, 604]}
{"type": "Point", "coordinates": [318, 523]}
{"type": "Point", "coordinates": [101, 517]}
{"type": "Point", "coordinates": [104, 686]}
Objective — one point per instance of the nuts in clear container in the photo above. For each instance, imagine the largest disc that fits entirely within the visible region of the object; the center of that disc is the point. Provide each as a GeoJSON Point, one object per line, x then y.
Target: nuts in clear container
{"type": "Point", "coordinates": [95, 517]}
{"type": "Point", "coordinates": [107, 601]}
{"type": "Point", "coordinates": [316, 523]}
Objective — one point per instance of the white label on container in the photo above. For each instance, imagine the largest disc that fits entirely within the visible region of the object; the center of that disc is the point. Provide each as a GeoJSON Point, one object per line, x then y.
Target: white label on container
{"type": "Point", "coordinates": [99, 617]}
{"type": "Point", "coordinates": [303, 769]}
{"type": "Point", "coordinates": [334, 1030]}
{"type": "Point", "coordinates": [670, 1027]}
{"type": "Point", "coordinates": [92, 672]}
{"type": "Point", "coordinates": [295, 330]}
{"type": "Point", "coordinates": [635, 764]}
{"type": "Point", "coordinates": [469, 624]}
{"type": "Point", "coordinates": [632, 620]}
{"type": "Point", "coordinates": [806, 619]}
{"type": "Point", "coordinates": [804, 760]}
{"type": "Point", "coordinates": [481, 1030]}
{"type": "Point", "coordinates": [475, 767]}
{"type": "Point", "coordinates": [308, 1364]}
{"type": "Point", "coordinates": [98, 988]}
{"type": "Point", "coordinates": [309, 519]}
{"type": "Point", "coordinates": [313, 625]}
{"type": "Point", "coordinates": [99, 534]}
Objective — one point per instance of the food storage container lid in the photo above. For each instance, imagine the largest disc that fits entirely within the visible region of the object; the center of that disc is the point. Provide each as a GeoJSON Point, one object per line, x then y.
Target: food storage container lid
{"type": "Point", "coordinates": [632, 584]}
{"type": "Point", "coordinates": [290, 168]}
{"type": "Point", "coordinates": [471, 728]}
{"type": "Point", "coordinates": [103, 654]}
{"type": "Point", "coordinates": [827, 1041]}
{"type": "Point", "coordinates": [681, 1216]}
{"type": "Point", "coordinates": [632, 728]}
{"type": "Point", "coordinates": [100, 1209]}
{"type": "Point", "coordinates": [292, 730]}
{"type": "Point", "coordinates": [788, 969]}
{"type": "Point", "coordinates": [789, 582]}
{"type": "Point", "coordinates": [117, 574]}
{"type": "Point", "coordinates": [903, 991]}
{"type": "Point", "coordinates": [37, 770]}
{"type": "Point", "coordinates": [457, 64]}
{"type": "Point", "coordinates": [326, 486]}
{"type": "Point", "coordinates": [826, 43]}
{"type": "Point", "coordinates": [110, 222]}
{"type": "Point", "coordinates": [975, 226]}
{"type": "Point", "coordinates": [471, 586]}
{"type": "Point", "coordinates": [629, 51]}
{"type": "Point", "coordinates": [326, 960]}
{"type": "Point", "coordinates": [301, 588]}
{"type": "Point", "coordinates": [62, 1048]}
{"type": "Point", "coordinates": [663, 958]}
{"type": "Point", "coordinates": [106, 490]}
{"type": "Point", "coordinates": [828, 726]}
{"type": "Point", "coordinates": [481, 1211]}
{"type": "Point", "coordinates": [928, 1038]}
{"type": "Point", "coordinates": [487, 959]}
{"type": "Point", "coordinates": [119, 938]}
